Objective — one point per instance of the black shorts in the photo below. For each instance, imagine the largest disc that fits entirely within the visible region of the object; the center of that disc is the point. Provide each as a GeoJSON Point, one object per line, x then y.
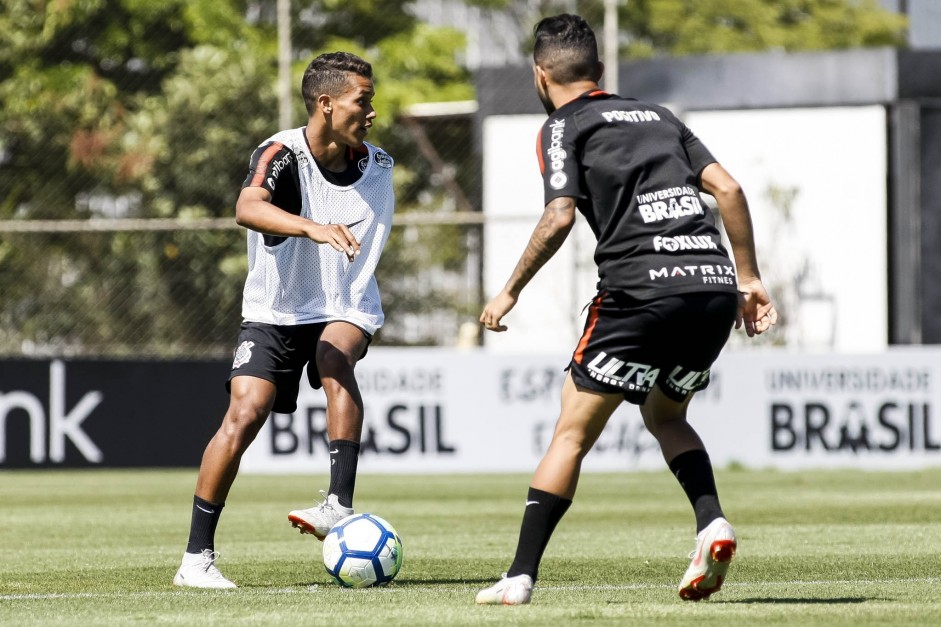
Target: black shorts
{"type": "Point", "coordinates": [630, 344]}
{"type": "Point", "coordinates": [278, 354]}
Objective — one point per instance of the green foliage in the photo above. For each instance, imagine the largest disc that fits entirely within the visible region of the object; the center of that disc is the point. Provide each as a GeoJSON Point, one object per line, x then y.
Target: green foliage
{"type": "Point", "coordinates": [192, 140]}
{"type": "Point", "coordinates": [366, 22]}
{"type": "Point", "coordinates": [134, 108]}
{"type": "Point", "coordinates": [682, 27]}
{"type": "Point", "coordinates": [687, 27]}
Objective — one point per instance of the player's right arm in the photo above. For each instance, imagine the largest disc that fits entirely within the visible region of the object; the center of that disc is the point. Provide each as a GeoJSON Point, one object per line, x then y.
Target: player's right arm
{"type": "Point", "coordinates": [270, 169]}
{"type": "Point", "coordinates": [254, 211]}
{"type": "Point", "coordinates": [558, 157]}
{"type": "Point", "coordinates": [554, 226]}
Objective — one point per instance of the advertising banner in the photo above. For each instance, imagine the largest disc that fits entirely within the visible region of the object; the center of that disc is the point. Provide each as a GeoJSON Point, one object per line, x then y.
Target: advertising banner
{"type": "Point", "coordinates": [74, 414]}
{"type": "Point", "coordinates": [790, 410]}
{"type": "Point", "coordinates": [443, 411]}
{"type": "Point", "coordinates": [448, 411]}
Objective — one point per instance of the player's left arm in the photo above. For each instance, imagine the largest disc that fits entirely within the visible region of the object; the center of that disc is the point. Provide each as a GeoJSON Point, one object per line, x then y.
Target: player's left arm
{"type": "Point", "coordinates": [756, 311]}
{"type": "Point", "coordinates": [554, 226]}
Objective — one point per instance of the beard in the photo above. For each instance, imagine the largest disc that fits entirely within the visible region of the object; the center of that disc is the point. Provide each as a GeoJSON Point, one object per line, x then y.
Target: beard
{"type": "Point", "coordinates": [545, 100]}
{"type": "Point", "coordinates": [547, 103]}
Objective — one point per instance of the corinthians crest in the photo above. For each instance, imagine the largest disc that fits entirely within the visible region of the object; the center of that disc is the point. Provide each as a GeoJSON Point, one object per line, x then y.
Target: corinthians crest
{"type": "Point", "coordinates": [243, 354]}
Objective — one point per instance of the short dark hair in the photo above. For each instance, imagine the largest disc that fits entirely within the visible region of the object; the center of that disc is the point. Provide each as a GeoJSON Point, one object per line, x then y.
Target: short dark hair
{"type": "Point", "coordinates": [326, 74]}
{"type": "Point", "coordinates": [566, 49]}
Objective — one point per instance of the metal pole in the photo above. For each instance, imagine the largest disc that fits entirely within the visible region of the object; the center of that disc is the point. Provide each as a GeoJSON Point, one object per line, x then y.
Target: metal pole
{"type": "Point", "coordinates": [285, 114]}
{"type": "Point", "coordinates": [611, 46]}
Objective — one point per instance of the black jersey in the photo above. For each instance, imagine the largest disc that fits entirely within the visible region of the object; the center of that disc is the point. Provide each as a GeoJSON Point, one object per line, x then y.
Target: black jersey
{"type": "Point", "coordinates": [634, 169]}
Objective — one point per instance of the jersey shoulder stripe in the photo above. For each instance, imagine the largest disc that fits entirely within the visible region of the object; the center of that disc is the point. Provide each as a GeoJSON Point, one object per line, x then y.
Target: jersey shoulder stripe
{"type": "Point", "coordinates": [542, 162]}
{"type": "Point", "coordinates": [272, 161]}
{"type": "Point", "coordinates": [262, 161]}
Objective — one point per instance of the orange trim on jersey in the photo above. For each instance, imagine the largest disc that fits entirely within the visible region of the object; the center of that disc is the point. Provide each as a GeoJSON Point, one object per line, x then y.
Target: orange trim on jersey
{"type": "Point", "coordinates": [589, 328]}
{"type": "Point", "coordinates": [262, 166]}
{"type": "Point", "coordinates": [542, 165]}
{"type": "Point", "coordinates": [597, 92]}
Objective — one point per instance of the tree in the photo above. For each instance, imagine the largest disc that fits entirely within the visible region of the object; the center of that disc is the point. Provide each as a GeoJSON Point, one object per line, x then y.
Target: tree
{"type": "Point", "coordinates": [133, 108]}
{"type": "Point", "coordinates": [684, 27]}
{"type": "Point", "coordinates": [687, 27]}
{"type": "Point", "coordinates": [76, 81]}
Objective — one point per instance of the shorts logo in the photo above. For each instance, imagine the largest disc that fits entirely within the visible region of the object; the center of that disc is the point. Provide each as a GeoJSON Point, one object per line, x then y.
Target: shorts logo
{"type": "Point", "coordinates": [684, 380]}
{"type": "Point", "coordinates": [243, 354]}
{"type": "Point", "coordinates": [627, 375]}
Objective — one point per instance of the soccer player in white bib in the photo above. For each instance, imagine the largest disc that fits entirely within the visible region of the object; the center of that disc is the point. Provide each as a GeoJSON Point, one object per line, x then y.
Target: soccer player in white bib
{"type": "Point", "coordinates": [318, 203]}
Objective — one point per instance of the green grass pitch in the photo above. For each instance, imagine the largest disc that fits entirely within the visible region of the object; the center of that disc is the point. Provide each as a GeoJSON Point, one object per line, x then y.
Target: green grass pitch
{"type": "Point", "coordinates": [815, 548]}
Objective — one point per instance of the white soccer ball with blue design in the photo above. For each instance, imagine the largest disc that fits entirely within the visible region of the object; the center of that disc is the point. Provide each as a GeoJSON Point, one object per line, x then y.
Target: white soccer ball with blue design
{"type": "Point", "coordinates": [362, 550]}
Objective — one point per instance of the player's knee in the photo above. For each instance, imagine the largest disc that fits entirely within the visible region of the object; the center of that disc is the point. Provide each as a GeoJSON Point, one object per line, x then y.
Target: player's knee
{"type": "Point", "coordinates": [243, 420]}
{"type": "Point", "coordinates": [333, 363]}
{"type": "Point", "coordinates": [658, 425]}
{"type": "Point", "coordinates": [574, 443]}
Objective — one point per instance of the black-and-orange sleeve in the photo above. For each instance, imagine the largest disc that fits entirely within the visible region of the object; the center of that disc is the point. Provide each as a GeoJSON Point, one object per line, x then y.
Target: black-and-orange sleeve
{"type": "Point", "coordinates": [270, 163]}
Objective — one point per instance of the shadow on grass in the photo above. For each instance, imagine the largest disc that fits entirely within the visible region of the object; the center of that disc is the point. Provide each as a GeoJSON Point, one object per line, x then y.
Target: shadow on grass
{"type": "Point", "coordinates": [403, 583]}
{"type": "Point", "coordinates": [798, 601]}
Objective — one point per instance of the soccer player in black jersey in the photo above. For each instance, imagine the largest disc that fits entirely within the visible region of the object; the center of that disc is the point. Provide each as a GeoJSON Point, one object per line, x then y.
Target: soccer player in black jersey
{"type": "Point", "coordinates": [668, 294]}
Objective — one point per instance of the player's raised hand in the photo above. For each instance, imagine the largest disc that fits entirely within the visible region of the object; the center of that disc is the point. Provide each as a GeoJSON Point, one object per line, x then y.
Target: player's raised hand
{"type": "Point", "coordinates": [493, 313]}
{"type": "Point", "coordinates": [338, 236]}
{"type": "Point", "coordinates": [755, 309]}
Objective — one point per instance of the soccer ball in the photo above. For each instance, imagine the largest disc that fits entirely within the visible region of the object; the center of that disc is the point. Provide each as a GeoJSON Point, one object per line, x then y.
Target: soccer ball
{"type": "Point", "coordinates": [362, 550]}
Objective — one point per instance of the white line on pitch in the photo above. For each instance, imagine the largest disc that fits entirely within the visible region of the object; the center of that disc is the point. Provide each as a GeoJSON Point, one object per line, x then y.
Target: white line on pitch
{"type": "Point", "coordinates": [306, 589]}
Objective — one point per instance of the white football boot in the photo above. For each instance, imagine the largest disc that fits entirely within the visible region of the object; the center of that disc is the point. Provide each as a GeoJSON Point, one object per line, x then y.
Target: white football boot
{"type": "Point", "coordinates": [715, 547]}
{"type": "Point", "coordinates": [198, 570]}
{"type": "Point", "coordinates": [516, 590]}
{"type": "Point", "coordinates": [319, 519]}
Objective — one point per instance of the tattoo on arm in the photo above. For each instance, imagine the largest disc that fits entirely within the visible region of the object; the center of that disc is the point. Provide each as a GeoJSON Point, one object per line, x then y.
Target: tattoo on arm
{"type": "Point", "coordinates": [554, 226]}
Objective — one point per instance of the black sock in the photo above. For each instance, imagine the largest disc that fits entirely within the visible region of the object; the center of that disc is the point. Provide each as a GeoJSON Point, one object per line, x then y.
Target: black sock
{"type": "Point", "coordinates": [694, 472]}
{"type": "Point", "coordinates": [203, 525]}
{"type": "Point", "coordinates": [543, 512]}
{"type": "Point", "coordinates": [344, 456]}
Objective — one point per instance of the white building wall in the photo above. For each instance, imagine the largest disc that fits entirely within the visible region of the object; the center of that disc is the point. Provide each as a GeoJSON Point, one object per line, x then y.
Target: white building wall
{"type": "Point", "coordinates": [816, 181]}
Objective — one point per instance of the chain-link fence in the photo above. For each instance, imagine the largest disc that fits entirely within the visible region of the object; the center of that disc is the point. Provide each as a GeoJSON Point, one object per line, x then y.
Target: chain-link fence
{"type": "Point", "coordinates": [171, 289]}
